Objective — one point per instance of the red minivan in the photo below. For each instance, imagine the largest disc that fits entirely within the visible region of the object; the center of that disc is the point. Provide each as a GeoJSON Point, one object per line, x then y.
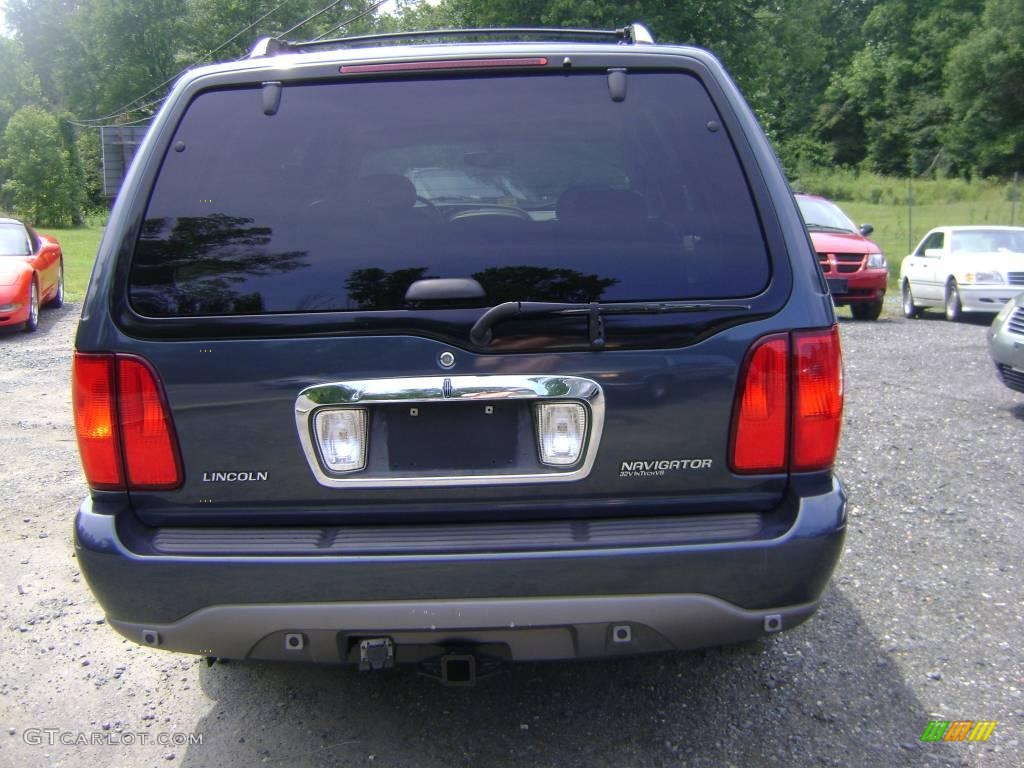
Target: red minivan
{"type": "Point", "coordinates": [854, 266]}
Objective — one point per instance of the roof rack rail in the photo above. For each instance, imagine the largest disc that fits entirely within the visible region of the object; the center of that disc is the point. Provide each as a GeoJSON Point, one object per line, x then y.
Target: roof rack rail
{"type": "Point", "coordinates": [633, 34]}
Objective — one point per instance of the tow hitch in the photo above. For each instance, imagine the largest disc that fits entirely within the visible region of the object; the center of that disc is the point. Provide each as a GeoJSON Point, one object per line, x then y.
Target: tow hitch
{"type": "Point", "coordinates": [452, 665]}
{"type": "Point", "coordinates": [460, 667]}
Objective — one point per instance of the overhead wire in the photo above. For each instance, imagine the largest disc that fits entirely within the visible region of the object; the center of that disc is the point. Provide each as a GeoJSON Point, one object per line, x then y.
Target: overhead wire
{"type": "Point", "coordinates": [346, 22]}
{"type": "Point", "coordinates": [127, 107]}
{"type": "Point", "coordinates": [308, 19]}
{"type": "Point", "coordinates": [93, 122]}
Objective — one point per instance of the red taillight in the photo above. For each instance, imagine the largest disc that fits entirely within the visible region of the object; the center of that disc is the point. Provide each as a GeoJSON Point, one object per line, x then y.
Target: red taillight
{"type": "Point", "coordinates": [92, 395]}
{"type": "Point", "coordinates": [817, 399]}
{"type": "Point", "coordinates": [123, 425]}
{"type": "Point", "coordinates": [790, 404]}
{"type": "Point", "coordinates": [761, 420]}
{"type": "Point", "coordinates": [150, 451]}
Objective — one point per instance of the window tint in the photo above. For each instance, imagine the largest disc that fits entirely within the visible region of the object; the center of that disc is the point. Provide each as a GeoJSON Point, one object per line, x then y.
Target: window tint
{"type": "Point", "coordinates": [540, 187]}
{"type": "Point", "coordinates": [14, 240]}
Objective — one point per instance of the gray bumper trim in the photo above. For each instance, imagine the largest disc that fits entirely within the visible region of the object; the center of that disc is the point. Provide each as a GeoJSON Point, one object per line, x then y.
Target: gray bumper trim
{"type": "Point", "coordinates": [532, 629]}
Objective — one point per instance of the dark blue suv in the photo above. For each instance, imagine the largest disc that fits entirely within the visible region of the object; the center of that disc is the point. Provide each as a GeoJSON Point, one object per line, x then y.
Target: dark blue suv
{"type": "Point", "coordinates": [577, 396]}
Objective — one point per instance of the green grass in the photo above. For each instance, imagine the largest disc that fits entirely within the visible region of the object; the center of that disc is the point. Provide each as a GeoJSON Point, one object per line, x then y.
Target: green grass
{"type": "Point", "coordinates": [881, 201]}
{"type": "Point", "coordinates": [79, 245]}
{"type": "Point", "coordinates": [897, 235]}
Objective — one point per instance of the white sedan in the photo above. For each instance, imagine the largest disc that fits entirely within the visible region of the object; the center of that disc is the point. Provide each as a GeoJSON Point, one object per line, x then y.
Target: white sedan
{"type": "Point", "coordinates": [963, 269]}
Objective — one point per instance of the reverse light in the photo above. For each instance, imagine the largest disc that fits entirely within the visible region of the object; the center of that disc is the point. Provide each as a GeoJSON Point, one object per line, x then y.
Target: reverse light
{"type": "Point", "coordinates": [341, 438]}
{"type": "Point", "coordinates": [876, 261]}
{"type": "Point", "coordinates": [561, 432]}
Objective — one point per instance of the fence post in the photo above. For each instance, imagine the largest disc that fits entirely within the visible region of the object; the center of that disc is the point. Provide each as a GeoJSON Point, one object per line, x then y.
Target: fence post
{"type": "Point", "coordinates": [910, 215]}
{"type": "Point", "coordinates": [1014, 197]}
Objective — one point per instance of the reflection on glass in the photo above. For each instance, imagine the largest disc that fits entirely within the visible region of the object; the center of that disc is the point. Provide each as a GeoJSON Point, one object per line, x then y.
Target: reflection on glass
{"type": "Point", "coordinates": [201, 265]}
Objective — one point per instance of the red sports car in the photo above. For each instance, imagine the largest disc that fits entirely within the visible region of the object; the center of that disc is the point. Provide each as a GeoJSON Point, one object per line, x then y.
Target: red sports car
{"type": "Point", "coordinates": [31, 274]}
{"type": "Point", "coordinates": [854, 266]}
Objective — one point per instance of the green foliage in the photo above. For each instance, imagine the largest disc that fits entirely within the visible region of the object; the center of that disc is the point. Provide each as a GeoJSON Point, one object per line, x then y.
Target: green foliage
{"type": "Point", "coordinates": [79, 245]}
{"type": "Point", "coordinates": [90, 160]}
{"type": "Point", "coordinates": [40, 181]}
{"type": "Point", "coordinates": [37, 24]}
{"type": "Point", "coordinates": [210, 23]}
{"type": "Point", "coordinates": [875, 189]}
{"type": "Point", "coordinates": [126, 48]}
{"type": "Point", "coordinates": [19, 86]}
{"type": "Point", "coordinates": [886, 109]}
{"type": "Point", "coordinates": [985, 76]}
{"type": "Point", "coordinates": [925, 88]}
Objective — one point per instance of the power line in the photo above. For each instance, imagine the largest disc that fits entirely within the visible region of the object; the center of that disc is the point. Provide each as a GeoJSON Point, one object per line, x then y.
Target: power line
{"type": "Point", "coordinates": [116, 125]}
{"type": "Point", "coordinates": [308, 19]}
{"type": "Point", "coordinates": [84, 123]}
{"type": "Point", "coordinates": [205, 56]}
{"type": "Point", "coordinates": [123, 111]}
{"type": "Point", "coordinates": [357, 17]}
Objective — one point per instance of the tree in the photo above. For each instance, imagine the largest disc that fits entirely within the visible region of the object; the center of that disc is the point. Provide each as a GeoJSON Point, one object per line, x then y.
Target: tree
{"type": "Point", "coordinates": [984, 76]}
{"type": "Point", "coordinates": [127, 48]}
{"type": "Point", "coordinates": [42, 29]}
{"type": "Point", "coordinates": [90, 158]}
{"type": "Point", "coordinates": [40, 183]}
{"type": "Point", "coordinates": [212, 23]}
{"type": "Point", "coordinates": [885, 108]}
{"type": "Point", "coordinates": [19, 85]}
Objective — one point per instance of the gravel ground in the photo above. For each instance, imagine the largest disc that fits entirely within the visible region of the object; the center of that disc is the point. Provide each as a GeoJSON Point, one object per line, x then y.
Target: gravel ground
{"type": "Point", "coordinates": [923, 619]}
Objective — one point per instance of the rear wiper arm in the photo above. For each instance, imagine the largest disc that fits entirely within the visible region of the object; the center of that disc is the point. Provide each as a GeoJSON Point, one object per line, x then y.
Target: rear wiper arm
{"type": "Point", "coordinates": [480, 334]}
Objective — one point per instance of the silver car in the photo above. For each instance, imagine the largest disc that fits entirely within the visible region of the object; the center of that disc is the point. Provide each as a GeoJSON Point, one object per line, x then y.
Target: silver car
{"type": "Point", "coordinates": [1006, 343]}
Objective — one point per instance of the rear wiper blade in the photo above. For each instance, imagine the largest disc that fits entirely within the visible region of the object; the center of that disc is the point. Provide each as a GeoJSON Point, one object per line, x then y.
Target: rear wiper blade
{"type": "Point", "coordinates": [480, 334]}
{"type": "Point", "coordinates": [828, 228]}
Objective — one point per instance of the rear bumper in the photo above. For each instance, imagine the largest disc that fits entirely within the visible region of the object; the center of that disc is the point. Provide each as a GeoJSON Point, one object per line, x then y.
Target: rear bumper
{"type": "Point", "coordinates": [536, 629]}
{"type": "Point", "coordinates": [866, 285]}
{"type": "Point", "coordinates": [540, 604]}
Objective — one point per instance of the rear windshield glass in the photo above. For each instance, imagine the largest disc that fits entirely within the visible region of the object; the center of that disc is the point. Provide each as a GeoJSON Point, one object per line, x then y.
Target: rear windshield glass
{"type": "Point", "coordinates": [540, 187]}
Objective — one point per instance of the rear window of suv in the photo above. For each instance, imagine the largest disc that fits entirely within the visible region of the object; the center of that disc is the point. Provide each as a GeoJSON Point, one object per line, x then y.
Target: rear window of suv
{"type": "Point", "coordinates": [541, 187]}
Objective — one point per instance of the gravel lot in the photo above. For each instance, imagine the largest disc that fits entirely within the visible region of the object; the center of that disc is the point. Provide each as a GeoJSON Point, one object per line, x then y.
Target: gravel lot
{"type": "Point", "coordinates": [923, 619]}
